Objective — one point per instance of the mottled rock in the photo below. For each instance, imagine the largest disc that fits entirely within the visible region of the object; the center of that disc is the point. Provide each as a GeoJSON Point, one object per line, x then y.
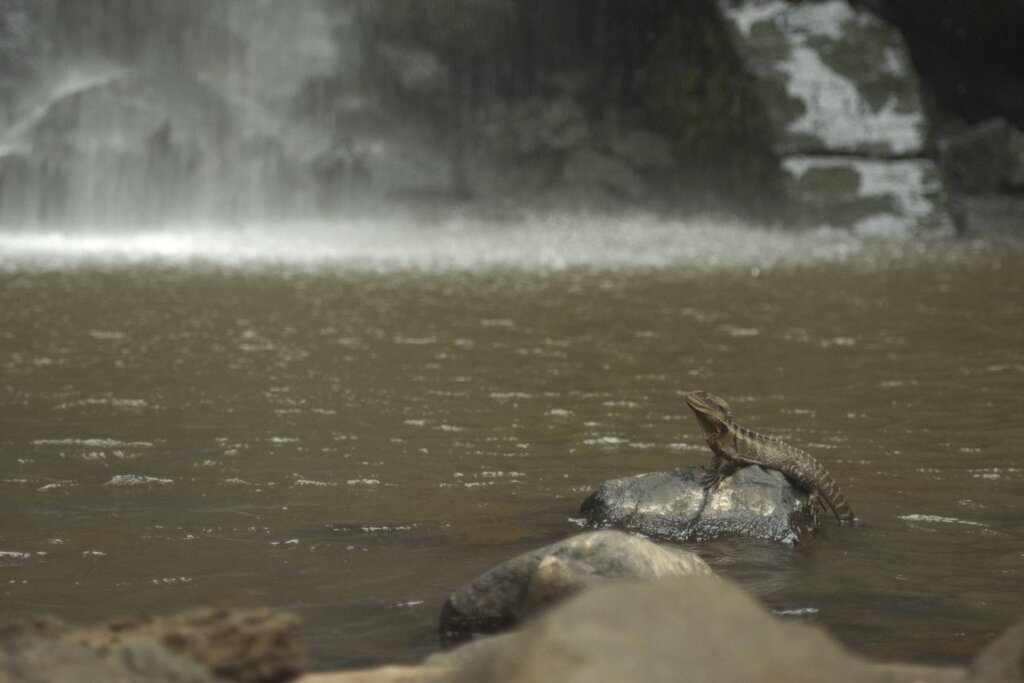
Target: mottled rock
{"type": "Point", "coordinates": [249, 646]}
{"type": "Point", "coordinates": [671, 506]}
{"type": "Point", "coordinates": [53, 660]}
{"type": "Point", "coordinates": [845, 116]}
{"type": "Point", "coordinates": [869, 196]}
{"type": "Point", "coordinates": [525, 585]}
{"type": "Point", "coordinates": [832, 77]}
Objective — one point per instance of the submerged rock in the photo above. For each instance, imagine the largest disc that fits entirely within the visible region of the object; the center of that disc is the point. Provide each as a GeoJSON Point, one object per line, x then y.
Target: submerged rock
{"type": "Point", "coordinates": [525, 585]}
{"type": "Point", "coordinates": [672, 506]}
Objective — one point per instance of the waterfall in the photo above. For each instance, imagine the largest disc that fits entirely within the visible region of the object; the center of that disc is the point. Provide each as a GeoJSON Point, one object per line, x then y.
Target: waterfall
{"type": "Point", "coordinates": [133, 112]}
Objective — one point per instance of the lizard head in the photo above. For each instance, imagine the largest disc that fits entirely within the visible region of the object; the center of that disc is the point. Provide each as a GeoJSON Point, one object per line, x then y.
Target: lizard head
{"type": "Point", "coordinates": [712, 412]}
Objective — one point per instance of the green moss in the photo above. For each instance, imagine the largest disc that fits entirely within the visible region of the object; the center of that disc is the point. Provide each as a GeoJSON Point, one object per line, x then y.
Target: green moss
{"type": "Point", "coordinates": [861, 55]}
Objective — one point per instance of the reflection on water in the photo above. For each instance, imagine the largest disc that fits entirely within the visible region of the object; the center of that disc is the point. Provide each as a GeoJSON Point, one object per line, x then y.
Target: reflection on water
{"type": "Point", "coordinates": [354, 442]}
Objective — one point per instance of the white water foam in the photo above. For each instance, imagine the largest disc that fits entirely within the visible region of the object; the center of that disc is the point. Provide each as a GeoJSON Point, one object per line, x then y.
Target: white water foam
{"type": "Point", "coordinates": [552, 242]}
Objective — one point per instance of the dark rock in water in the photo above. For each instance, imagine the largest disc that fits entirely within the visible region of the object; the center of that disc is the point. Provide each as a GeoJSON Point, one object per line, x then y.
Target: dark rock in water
{"type": "Point", "coordinates": [977, 161]}
{"type": "Point", "coordinates": [52, 660]}
{"type": "Point", "coordinates": [1003, 660]}
{"type": "Point", "coordinates": [672, 506]}
{"type": "Point", "coordinates": [504, 595]}
{"type": "Point", "coordinates": [248, 646]}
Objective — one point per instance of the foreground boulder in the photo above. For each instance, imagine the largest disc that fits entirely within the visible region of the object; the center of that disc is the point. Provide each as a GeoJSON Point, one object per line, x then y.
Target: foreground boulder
{"type": "Point", "coordinates": [1003, 660]}
{"type": "Point", "coordinates": [247, 646]}
{"type": "Point", "coordinates": [672, 506]}
{"type": "Point", "coordinates": [524, 585]}
{"type": "Point", "coordinates": [696, 629]}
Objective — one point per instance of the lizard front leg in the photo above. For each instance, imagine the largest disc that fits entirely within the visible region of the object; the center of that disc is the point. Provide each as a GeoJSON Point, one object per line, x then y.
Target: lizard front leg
{"type": "Point", "coordinates": [721, 467]}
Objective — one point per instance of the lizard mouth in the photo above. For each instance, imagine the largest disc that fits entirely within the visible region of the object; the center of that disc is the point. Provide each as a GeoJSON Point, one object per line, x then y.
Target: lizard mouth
{"type": "Point", "coordinates": [696, 400]}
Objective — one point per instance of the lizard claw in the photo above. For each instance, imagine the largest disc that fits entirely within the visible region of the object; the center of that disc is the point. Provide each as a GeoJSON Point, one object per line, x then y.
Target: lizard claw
{"type": "Point", "coordinates": [711, 480]}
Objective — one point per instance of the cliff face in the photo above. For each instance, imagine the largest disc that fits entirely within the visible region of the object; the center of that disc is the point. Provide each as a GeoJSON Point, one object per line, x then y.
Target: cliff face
{"type": "Point", "coordinates": [140, 111]}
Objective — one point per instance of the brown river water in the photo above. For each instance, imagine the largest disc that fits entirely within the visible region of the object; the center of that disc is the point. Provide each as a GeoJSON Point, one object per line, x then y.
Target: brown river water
{"type": "Point", "coordinates": [351, 424]}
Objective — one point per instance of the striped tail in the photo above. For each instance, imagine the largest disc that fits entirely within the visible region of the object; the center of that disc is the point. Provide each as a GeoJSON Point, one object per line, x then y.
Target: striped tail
{"type": "Point", "coordinates": [836, 500]}
{"type": "Point", "coordinates": [816, 478]}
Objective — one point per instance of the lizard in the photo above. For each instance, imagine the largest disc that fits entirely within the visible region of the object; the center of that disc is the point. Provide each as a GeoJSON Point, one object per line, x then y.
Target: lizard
{"type": "Point", "coordinates": [735, 447]}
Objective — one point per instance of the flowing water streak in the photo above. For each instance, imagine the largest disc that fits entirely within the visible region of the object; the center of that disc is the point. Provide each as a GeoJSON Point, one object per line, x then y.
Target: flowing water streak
{"type": "Point", "coordinates": [540, 243]}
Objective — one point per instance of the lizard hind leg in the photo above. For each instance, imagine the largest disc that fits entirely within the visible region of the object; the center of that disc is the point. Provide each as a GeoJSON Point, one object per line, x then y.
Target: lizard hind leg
{"type": "Point", "coordinates": [814, 501]}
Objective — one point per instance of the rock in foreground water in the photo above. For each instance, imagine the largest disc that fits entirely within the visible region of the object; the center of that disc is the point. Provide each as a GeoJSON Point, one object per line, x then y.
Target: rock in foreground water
{"type": "Point", "coordinates": [247, 646]}
{"type": "Point", "coordinates": [524, 585]}
{"type": "Point", "coordinates": [671, 506]}
{"type": "Point", "coordinates": [52, 660]}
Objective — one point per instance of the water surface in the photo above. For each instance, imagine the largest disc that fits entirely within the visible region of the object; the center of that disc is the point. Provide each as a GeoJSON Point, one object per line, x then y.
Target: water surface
{"type": "Point", "coordinates": [353, 428]}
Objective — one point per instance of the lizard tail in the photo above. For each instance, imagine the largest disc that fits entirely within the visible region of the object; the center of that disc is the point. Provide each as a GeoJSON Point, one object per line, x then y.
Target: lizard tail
{"type": "Point", "coordinates": [836, 500]}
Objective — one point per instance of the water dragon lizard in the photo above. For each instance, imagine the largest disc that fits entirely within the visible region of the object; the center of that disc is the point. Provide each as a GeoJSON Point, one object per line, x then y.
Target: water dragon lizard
{"type": "Point", "coordinates": [735, 447]}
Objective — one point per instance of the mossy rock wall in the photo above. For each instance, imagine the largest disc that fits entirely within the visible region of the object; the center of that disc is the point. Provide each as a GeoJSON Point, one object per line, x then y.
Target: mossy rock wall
{"type": "Point", "coordinates": [845, 115]}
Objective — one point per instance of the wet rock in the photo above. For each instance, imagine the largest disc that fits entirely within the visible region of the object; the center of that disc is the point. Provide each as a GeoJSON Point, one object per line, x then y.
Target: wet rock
{"type": "Point", "coordinates": [525, 585]}
{"type": "Point", "coordinates": [671, 506]}
{"type": "Point", "coordinates": [1003, 660]}
{"type": "Point", "coordinates": [51, 660]}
